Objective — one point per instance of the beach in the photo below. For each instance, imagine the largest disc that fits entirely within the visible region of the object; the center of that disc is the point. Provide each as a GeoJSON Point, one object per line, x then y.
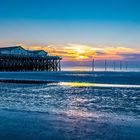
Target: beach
{"type": "Point", "coordinates": [76, 105]}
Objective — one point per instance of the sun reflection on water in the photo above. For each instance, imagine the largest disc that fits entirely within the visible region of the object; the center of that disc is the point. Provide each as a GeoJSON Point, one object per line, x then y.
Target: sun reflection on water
{"type": "Point", "coordinates": [77, 84]}
{"type": "Point", "coordinates": [83, 84]}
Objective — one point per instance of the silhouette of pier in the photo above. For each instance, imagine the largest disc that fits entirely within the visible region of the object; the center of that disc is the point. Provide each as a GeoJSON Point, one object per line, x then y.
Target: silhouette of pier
{"type": "Point", "coordinates": [18, 59]}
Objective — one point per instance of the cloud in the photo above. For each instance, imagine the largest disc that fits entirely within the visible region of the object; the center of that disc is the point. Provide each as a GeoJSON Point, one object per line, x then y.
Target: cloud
{"type": "Point", "coordinates": [131, 56]}
{"type": "Point", "coordinates": [83, 52]}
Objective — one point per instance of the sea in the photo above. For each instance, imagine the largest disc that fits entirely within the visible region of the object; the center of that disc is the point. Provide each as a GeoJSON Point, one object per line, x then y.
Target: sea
{"type": "Point", "coordinates": [76, 105]}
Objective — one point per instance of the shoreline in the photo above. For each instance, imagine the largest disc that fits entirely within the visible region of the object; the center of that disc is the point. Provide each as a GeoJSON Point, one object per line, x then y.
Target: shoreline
{"type": "Point", "coordinates": [122, 78]}
{"type": "Point", "coordinates": [25, 81]}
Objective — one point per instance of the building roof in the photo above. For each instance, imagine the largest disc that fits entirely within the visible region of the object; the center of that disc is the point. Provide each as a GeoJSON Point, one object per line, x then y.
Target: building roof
{"type": "Point", "coordinates": [11, 48]}
{"type": "Point", "coordinates": [36, 51]}
{"type": "Point", "coordinates": [28, 51]}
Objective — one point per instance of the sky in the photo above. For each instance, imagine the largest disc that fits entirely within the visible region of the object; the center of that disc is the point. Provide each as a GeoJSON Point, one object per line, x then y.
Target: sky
{"type": "Point", "coordinates": [77, 30]}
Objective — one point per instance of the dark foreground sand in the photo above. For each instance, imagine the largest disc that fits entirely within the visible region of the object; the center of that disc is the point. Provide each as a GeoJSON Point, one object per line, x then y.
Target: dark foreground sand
{"type": "Point", "coordinates": [16, 125]}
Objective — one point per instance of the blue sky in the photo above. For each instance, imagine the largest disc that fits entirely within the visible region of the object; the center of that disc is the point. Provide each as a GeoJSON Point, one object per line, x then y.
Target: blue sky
{"type": "Point", "coordinates": [102, 10]}
{"type": "Point", "coordinates": [42, 22]}
{"type": "Point", "coordinates": [76, 21]}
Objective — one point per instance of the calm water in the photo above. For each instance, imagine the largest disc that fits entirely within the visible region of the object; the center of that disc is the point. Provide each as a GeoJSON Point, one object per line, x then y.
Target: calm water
{"type": "Point", "coordinates": [82, 105]}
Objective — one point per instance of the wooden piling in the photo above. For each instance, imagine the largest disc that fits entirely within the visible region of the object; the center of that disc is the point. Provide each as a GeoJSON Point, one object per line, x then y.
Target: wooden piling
{"type": "Point", "coordinates": [120, 65]}
{"type": "Point", "coordinates": [126, 67]}
{"type": "Point", "coordinates": [93, 65]}
{"type": "Point", "coordinates": [105, 65]}
{"type": "Point", "coordinates": [114, 65]}
{"type": "Point", "coordinates": [29, 63]}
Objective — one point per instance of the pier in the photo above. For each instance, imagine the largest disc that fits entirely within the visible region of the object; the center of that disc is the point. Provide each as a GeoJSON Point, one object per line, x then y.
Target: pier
{"type": "Point", "coordinates": [24, 60]}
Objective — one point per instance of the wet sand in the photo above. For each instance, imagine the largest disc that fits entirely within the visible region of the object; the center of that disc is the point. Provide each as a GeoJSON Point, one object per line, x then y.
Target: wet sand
{"type": "Point", "coordinates": [75, 108]}
{"type": "Point", "coordinates": [17, 125]}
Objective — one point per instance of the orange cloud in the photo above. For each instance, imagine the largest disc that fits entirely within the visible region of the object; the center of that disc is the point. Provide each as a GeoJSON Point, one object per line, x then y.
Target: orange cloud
{"type": "Point", "coordinates": [80, 52]}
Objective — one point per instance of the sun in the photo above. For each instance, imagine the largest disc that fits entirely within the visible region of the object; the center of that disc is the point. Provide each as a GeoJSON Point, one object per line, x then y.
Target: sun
{"type": "Point", "coordinates": [81, 57]}
{"type": "Point", "coordinates": [80, 51]}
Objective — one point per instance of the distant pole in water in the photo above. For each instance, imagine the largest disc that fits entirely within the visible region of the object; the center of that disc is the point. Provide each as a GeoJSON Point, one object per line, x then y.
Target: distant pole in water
{"type": "Point", "coordinates": [93, 65]}
{"type": "Point", "coordinates": [105, 65]}
{"type": "Point", "coordinates": [126, 63]}
{"type": "Point", "coordinates": [120, 65]}
{"type": "Point", "coordinates": [114, 65]}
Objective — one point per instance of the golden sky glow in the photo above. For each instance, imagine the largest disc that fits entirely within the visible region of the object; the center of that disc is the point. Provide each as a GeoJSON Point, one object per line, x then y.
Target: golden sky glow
{"type": "Point", "coordinates": [80, 52]}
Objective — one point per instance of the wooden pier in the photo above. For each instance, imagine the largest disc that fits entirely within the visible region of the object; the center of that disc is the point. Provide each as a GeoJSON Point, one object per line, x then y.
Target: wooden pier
{"type": "Point", "coordinates": [29, 63]}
